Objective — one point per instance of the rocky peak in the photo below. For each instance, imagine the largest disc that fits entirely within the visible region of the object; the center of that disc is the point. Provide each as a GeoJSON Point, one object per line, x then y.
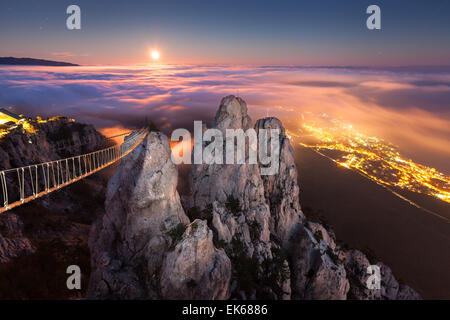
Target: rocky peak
{"type": "Point", "coordinates": [140, 248]}
{"type": "Point", "coordinates": [281, 190]}
{"type": "Point", "coordinates": [232, 114]}
{"type": "Point", "coordinates": [241, 215]}
{"type": "Point", "coordinates": [129, 242]}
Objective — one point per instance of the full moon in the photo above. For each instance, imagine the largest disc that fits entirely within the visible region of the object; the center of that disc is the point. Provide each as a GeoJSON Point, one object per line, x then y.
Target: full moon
{"type": "Point", "coordinates": [155, 55]}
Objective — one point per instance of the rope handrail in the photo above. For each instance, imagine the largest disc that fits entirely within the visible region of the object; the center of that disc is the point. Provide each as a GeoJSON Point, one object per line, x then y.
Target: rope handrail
{"type": "Point", "coordinates": [34, 181]}
{"type": "Point", "coordinates": [63, 144]}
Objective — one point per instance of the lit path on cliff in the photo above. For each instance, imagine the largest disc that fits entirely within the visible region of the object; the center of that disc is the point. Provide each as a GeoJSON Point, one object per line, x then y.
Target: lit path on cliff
{"type": "Point", "coordinates": [34, 181]}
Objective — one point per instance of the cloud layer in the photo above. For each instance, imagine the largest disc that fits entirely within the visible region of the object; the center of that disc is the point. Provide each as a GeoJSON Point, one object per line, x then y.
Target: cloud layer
{"type": "Point", "coordinates": [409, 107]}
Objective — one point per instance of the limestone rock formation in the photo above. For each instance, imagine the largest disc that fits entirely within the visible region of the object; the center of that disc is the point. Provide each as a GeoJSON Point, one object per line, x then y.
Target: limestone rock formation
{"type": "Point", "coordinates": [281, 190]}
{"type": "Point", "coordinates": [142, 205]}
{"type": "Point", "coordinates": [317, 272]}
{"type": "Point", "coordinates": [196, 265]}
{"type": "Point", "coordinates": [248, 240]}
{"type": "Point", "coordinates": [131, 246]}
{"type": "Point", "coordinates": [241, 215]}
{"type": "Point", "coordinates": [259, 222]}
{"type": "Point", "coordinates": [232, 114]}
{"type": "Point", "coordinates": [356, 264]}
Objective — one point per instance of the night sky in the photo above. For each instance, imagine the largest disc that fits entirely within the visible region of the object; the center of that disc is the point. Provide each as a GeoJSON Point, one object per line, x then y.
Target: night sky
{"type": "Point", "coordinates": [324, 32]}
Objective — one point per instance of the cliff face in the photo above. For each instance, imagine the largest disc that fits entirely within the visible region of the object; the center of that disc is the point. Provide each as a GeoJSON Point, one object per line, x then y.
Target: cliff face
{"type": "Point", "coordinates": [13, 243]}
{"type": "Point", "coordinates": [248, 238]}
{"type": "Point", "coordinates": [197, 264]}
{"type": "Point", "coordinates": [241, 214]}
{"type": "Point", "coordinates": [281, 190]}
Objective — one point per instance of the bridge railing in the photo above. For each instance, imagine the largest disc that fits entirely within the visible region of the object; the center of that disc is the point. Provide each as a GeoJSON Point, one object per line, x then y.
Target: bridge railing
{"type": "Point", "coordinates": [24, 184]}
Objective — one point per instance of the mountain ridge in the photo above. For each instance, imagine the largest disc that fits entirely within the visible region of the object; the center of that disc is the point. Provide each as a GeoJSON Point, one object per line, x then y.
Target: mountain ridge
{"type": "Point", "coordinates": [13, 61]}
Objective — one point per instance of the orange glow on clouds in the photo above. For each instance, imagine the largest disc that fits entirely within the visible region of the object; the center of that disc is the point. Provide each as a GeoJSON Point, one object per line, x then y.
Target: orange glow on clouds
{"type": "Point", "coordinates": [114, 131]}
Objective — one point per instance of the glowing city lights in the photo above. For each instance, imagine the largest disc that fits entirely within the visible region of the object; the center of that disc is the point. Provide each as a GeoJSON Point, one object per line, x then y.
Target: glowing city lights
{"type": "Point", "coordinates": [376, 159]}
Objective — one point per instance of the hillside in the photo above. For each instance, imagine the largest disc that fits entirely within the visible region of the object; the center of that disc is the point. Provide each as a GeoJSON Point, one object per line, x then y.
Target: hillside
{"type": "Point", "coordinates": [38, 240]}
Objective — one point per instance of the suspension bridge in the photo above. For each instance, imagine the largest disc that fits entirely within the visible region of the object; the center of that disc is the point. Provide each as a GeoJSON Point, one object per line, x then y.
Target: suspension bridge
{"type": "Point", "coordinates": [25, 184]}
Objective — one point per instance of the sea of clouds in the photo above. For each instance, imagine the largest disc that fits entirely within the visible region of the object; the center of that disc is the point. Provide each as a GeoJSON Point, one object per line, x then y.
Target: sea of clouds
{"type": "Point", "coordinates": [407, 106]}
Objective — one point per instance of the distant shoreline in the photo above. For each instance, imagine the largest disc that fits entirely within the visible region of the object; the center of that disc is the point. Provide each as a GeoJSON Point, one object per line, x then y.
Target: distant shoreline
{"type": "Point", "coordinates": [12, 61]}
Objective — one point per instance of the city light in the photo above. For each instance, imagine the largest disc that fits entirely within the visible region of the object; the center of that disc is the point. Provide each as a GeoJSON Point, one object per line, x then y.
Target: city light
{"type": "Point", "coordinates": [375, 158]}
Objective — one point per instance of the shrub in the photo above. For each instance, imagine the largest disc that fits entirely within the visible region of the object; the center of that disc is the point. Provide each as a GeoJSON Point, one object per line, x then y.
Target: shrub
{"type": "Point", "coordinates": [176, 233]}
{"type": "Point", "coordinates": [232, 204]}
{"type": "Point", "coordinates": [153, 127]}
{"type": "Point", "coordinates": [254, 230]}
{"type": "Point", "coordinates": [255, 277]}
{"type": "Point", "coordinates": [275, 271]}
{"type": "Point", "coordinates": [310, 274]}
{"type": "Point", "coordinates": [318, 235]}
{"type": "Point", "coordinates": [191, 283]}
{"type": "Point", "coordinates": [333, 256]}
{"type": "Point", "coordinates": [193, 213]}
{"type": "Point", "coordinates": [370, 254]}
{"type": "Point", "coordinates": [221, 244]}
{"type": "Point", "coordinates": [245, 269]}
{"type": "Point", "coordinates": [205, 214]}
{"type": "Point", "coordinates": [278, 259]}
{"type": "Point", "coordinates": [275, 239]}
